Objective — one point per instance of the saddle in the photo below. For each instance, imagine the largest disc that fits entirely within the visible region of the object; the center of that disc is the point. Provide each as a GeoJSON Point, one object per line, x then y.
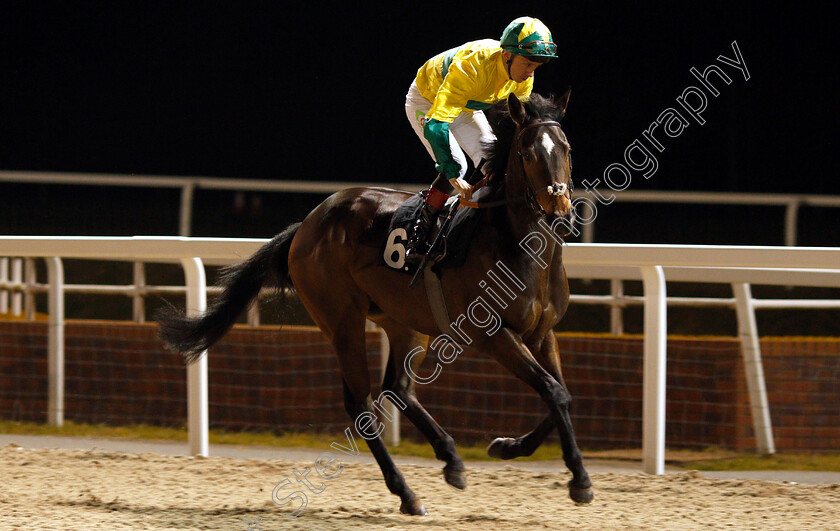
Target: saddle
{"type": "Point", "coordinates": [453, 246]}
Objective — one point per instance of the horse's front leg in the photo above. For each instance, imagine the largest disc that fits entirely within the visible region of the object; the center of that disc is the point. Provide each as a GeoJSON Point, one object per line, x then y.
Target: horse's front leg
{"type": "Point", "coordinates": [548, 357]}
{"type": "Point", "coordinates": [508, 349]}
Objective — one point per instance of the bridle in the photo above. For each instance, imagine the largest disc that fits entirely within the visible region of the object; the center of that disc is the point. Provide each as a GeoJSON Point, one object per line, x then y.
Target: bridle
{"type": "Point", "coordinates": [555, 189]}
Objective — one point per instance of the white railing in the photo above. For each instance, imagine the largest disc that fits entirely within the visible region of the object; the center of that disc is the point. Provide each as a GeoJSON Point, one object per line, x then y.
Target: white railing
{"type": "Point", "coordinates": [187, 185]}
{"type": "Point", "coordinates": [650, 263]}
{"type": "Point", "coordinates": [791, 202]}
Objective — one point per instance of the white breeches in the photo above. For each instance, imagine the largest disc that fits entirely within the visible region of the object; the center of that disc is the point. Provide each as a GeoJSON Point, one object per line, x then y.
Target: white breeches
{"type": "Point", "coordinates": [466, 132]}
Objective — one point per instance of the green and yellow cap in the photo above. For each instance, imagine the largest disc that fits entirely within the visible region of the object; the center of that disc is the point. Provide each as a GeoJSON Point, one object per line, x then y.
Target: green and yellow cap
{"type": "Point", "coordinates": [530, 38]}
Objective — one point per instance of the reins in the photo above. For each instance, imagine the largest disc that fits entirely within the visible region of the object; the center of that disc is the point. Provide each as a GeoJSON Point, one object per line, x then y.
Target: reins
{"type": "Point", "coordinates": [485, 204]}
{"type": "Point", "coordinates": [530, 196]}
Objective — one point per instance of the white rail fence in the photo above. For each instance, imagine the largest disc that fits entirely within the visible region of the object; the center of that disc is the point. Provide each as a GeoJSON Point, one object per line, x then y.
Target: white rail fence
{"type": "Point", "coordinates": [650, 263]}
{"type": "Point", "coordinates": [187, 185]}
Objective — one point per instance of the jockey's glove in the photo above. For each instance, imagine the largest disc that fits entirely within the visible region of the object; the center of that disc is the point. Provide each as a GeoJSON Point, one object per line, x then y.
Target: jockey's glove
{"type": "Point", "coordinates": [461, 187]}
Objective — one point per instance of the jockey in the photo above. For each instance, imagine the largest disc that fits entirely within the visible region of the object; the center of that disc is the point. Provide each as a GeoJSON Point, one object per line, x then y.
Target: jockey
{"type": "Point", "coordinates": [445, 102]}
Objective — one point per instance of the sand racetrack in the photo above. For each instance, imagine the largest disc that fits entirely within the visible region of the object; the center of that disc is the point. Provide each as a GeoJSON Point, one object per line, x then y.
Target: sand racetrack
{"type": "Point", "coordinates": [80, 490]}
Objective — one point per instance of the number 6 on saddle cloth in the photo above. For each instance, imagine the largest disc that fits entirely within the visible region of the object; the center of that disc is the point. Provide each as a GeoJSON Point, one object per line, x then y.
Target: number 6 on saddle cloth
{"type": "Point", "coordinates": [451, 235]}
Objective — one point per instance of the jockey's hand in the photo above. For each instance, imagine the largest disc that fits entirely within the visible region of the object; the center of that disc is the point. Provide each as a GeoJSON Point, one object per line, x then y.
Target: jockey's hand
{"type": "Point", "coordinates": [462, 187]}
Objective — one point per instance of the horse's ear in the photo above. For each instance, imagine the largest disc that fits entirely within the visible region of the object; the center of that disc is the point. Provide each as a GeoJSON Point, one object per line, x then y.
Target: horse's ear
{"type": "Point", "coordinates": [563, 101]}
{"type": "Point", "coordinates": [517, 111]}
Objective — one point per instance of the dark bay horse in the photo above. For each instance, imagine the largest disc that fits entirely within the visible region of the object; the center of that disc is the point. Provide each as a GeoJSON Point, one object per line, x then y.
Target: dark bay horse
{"type": "Point", "coordinates": [332, 259]}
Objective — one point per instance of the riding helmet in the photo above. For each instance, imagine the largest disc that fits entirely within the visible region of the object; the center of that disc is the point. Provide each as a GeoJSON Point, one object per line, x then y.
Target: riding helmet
{"type": "Point", "coordinates": [530, 38]}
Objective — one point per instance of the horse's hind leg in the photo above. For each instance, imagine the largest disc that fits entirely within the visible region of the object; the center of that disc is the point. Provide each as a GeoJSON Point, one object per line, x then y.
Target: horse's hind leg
{"type": "Point", "coordinates": [349, 343]}
{"type": "Point", "coordinates": [402, 341]}
{"type": "Point", "coordinates": [321, 265]}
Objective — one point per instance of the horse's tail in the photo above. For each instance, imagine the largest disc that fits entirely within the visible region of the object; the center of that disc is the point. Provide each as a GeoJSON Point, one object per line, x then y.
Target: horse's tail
{"type": "Point", "coordinates": [241, 284]}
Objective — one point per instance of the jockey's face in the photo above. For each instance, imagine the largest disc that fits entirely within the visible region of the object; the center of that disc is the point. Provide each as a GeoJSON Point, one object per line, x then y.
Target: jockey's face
{"type": "Point", "coordinates": [522, 68]}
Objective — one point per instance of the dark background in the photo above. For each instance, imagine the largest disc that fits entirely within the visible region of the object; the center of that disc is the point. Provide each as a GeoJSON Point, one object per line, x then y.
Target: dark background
{"type": "Point", "coordinates": [316, 92]}
{"type": "Point", "coordinates": [250, 89]}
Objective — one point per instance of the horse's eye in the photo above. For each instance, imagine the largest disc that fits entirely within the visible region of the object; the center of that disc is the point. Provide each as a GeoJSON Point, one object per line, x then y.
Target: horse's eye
{"type": "Point", "coordinates": [527, 156]}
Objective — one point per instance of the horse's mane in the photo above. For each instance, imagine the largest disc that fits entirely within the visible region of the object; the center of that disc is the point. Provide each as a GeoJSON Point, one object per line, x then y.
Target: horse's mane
{"type": "Point", "coordinates": [498, 151]}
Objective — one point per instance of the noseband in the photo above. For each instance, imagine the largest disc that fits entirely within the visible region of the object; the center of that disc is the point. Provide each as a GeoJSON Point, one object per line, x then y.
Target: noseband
{"type": "Point", "coordinates": [555, 189]}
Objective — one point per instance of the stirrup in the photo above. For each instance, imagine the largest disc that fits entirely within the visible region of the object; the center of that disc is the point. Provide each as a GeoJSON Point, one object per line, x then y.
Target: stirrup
{"type": "Point", "coordinates": [414, 257]}
{"type": "Point", "coordinates": [418, 244]}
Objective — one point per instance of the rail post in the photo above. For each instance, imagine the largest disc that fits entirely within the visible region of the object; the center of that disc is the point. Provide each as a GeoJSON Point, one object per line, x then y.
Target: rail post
{"type": "Point", "coordinates": [138, 302]}
{"type": "Point", "coordinates": [30, 277]}
{"type": "Point", "coordinates": [391, 435]}
{"type": "Point", "coordinates": [4, 277]}
{"type": "Point", "coordinates": [791, 217]}
{"type": "Point", "coordinates": [655, 341]}
{"type": "Point", "coordinates": [185, 215]}
{"type": "Point", "coordinates": [17, 280]}
{"type": "Point", "coordinates": [616, 307]}
{"type": "Point", "coordinates": [254, 313]}
{"type": "Point", "coordinates": [753, 368]}
{"type": "Point", "coordinates": [55, 342]}
{"type": "Point", "coordinates": [198, 423]}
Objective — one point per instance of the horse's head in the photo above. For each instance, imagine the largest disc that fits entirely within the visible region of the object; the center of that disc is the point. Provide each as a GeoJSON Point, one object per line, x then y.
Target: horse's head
{"type": "Point", "coordinates": [540, 155]}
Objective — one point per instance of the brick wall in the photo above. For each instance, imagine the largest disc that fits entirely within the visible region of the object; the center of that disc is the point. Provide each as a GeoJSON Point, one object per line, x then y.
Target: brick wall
{"type": "Point", "coordinates": [288, 379]}
{"type": "Point", "coordinates": [23, 370]}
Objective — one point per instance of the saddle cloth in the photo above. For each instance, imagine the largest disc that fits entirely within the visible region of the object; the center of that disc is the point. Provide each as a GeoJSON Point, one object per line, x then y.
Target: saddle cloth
{"type": "Point", "coordinates": [451, 250]}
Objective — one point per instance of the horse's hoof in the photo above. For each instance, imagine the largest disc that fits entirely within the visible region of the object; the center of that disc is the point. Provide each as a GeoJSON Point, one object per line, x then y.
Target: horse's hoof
{"type": "Point", "coordinates": [581, 495]}
{"type": "Point", "coordinates": [502, 448]}
{"type": "Point", "coordinates": [413, 508]}
{"type": "Point", "coordinates": [455, 476]}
